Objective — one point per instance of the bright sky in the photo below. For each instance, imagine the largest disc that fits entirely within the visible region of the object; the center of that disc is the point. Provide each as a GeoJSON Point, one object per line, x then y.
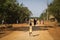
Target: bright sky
{"type": "Point", "coordinates": [35, 6]}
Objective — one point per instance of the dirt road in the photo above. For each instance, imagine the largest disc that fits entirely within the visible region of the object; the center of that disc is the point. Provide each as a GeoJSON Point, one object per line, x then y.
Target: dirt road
{"type": "Point", "coordinates": [24, 35]}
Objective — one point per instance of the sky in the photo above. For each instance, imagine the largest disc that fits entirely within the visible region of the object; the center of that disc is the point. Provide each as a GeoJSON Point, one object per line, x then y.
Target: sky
{"type": "Point", "coordinates": [35, 6]}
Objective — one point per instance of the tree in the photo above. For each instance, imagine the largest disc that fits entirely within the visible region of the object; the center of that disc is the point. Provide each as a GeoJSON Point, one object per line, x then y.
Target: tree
{"type": "Point", "coordinates": [11, 11]}
{"type": "Point", "coordinates": [43, 16]}
{"type": "Point", "coordinates": [54, 9]}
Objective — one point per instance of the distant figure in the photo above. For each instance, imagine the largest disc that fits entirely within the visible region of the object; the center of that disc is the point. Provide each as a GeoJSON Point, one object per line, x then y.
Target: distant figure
{"type": "Point", "coordinates": [30, 24]}
{"type": "Point", "coordinates": [30, 28]}
{"type": "Point", "coordinates": [42, 21]}
{"type": "Point", "coordinates": [35, 21]}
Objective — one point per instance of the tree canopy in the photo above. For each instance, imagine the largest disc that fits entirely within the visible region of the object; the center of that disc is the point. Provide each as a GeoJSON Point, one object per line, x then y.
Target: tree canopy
{"type": "Point", "coordinates": [11, 11]}
{"type": "Point", "coordinates": [54, 9]}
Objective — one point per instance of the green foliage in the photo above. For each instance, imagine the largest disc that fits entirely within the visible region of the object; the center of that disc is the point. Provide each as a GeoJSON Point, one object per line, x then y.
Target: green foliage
{"type": "Point", "coordinates": [43, 16]}
{"type": "Point", "coordinates": [11, 11]}
{"type": "Point", "coordinates": [54, 9]}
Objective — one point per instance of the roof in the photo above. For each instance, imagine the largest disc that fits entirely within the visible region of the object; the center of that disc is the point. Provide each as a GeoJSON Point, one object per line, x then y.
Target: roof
{"type": "Point", "coordinates": [51, 16]}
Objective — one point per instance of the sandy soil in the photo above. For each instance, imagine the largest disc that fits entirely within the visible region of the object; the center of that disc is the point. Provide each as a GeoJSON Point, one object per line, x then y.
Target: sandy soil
{"type": "Point", "coordinates": [51, 33]}
{"type": "Point", "coordinates": [36, 35]}
{"type": "Point", "coordinates": [55, 33]}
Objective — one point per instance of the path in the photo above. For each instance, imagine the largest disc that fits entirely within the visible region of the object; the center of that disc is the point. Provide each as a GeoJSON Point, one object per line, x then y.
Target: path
{"type": "Point", "coordinates": [20, 35]}
{"type": "Point", "coordinates": [24, 35]}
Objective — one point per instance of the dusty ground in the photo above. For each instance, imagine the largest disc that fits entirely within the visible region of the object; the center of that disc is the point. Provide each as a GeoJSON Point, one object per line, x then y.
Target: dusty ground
{"type": "Point", "coordinates": [21, 35]}
{"type": "Point", "coordinates": [55, 33]}
{"type": "Point", "coordinates": [21, 32]}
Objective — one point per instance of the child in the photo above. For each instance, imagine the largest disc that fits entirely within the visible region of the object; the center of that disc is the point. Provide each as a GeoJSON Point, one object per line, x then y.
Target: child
{"type": "Point", "coordinates": [30, 28]}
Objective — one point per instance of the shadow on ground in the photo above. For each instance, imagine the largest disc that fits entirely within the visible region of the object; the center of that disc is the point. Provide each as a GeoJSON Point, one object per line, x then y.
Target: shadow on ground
{"type": "Point", "coordinates": [34, 28]}
{"type": "Point", "coordinates": [6, 31]}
